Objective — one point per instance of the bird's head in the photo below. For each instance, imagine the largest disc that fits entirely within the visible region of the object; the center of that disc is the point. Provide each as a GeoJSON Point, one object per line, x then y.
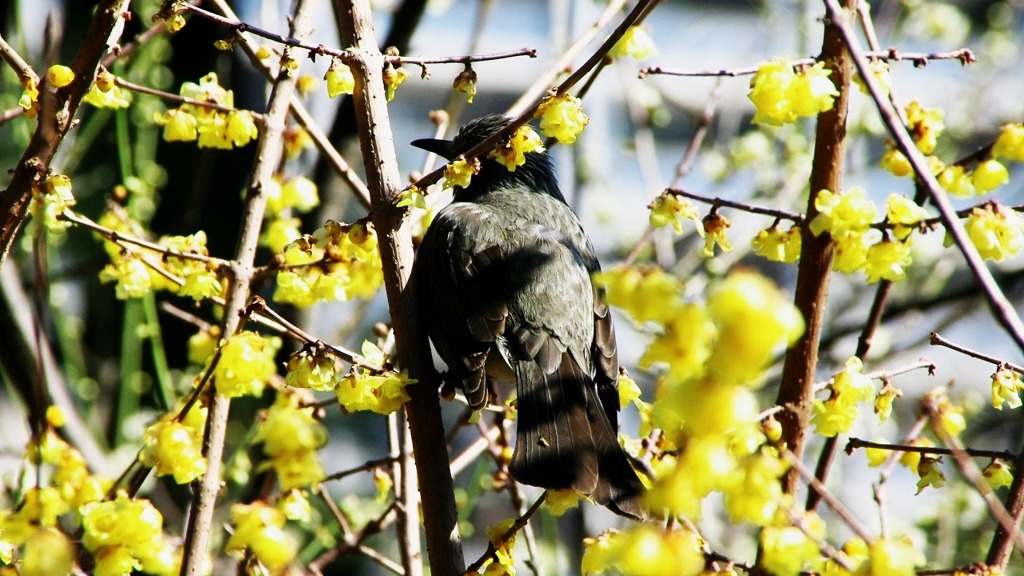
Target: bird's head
{"type": "Point", "coordinates": [537, 174]}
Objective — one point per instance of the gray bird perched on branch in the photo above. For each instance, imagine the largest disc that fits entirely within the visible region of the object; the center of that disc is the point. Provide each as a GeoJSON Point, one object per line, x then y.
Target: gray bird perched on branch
{"type": "Point", "coordinates": [504, 281]}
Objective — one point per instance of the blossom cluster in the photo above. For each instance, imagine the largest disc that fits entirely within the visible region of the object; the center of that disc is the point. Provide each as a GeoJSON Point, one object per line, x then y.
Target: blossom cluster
{"type": "Point", "coordinates": [182, 266]}
{"type": "Point", "coordinates": [782, 95]}
{"type": "Point", "coordinates": [291, 435]}
{"type": "Point", "coordinates": [337, 262]}
{"type": "Point", "coordinates": [221, 127]}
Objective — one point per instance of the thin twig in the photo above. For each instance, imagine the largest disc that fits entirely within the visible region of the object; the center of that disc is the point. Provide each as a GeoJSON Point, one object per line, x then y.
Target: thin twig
{"type": "Point", "coordinates": [937, 340]}
{"type": "Point", "coordinates": [854, 443]}
{"type": "Point", "coordinates": [511, 532]}
{"type": "Point", "coordinates": [774, 212]}
{"type": "Point", "coordinates": [169, 96]}
{"type": "Point", "coordinates": [963, 55]}
{"type": "Point", "coordinates": [830, 500]}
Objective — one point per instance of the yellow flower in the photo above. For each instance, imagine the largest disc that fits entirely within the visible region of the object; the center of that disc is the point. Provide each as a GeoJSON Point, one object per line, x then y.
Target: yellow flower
{"type": "Point", "coordinates": [903, 214]}
{"type": "Point", "coordinates": [558, 501]}
{"type": "Point", "coordinates": [562, 117]}
{"type": "Point", "coordinates": [512, 153]}
{"type": "Point", "coordinates": [465, 82]}
{"type": "Point", "coordinates": [131, 274]}
{"type": "Point", "coordinates": [996, 231]}
{"type": "Point", "coordinates": [241, 128]}
{"type": "Point", "coordinates": [778, 245]}
{"type": "Point", "coordinates": [246, 364]}
{"type": "Point", "coordinates": [179, 125]}
{"type": "Point", "coordinates": [175, 448]}
{"type": "Point", "coordinates": [114, 97]}
{"type": "Point", "coordinates": [887, 260]}
{"type": "Point", "coordinates": [260, 528]}
{"type": "Point", "coordinates": [673, 209]}
{"type": "Point", "coordinates": [1010, 143]}
{"type": "Point", "coordinates": [47, 553]}
{"type": "Point", "coordinates": [1006, 387]}
{"type": "Point", "coordinates": [781, 95]}
{"type": "Point", "coordinates": [925, 125]}
{"type": "Point", "coordinates": [895, 557]}
{"type": "Point", "coordinates": [312, 367]}
{"type": "Point", "coordinates": [715, 226]}
{"type": "Point", "coordinates": [989, 175]}
{"type": "Point", "coordinates": [176, 23]}
{"type": "Point", "coordinates": [339, 79]}
{"type": "Point", "coordinates": [997, 474]}
{"type": "Point", "coordinates": [955, 180]}
{"type": "Point", "coordinates": [895, 162]}
{"type": "Point", "coordinates": [393, 78]}
{"type": "Point", "coordinates": [880, 70]}
{"type": "Point", "coordinates": [843, 214]}
{"type": "Point", "coordinates": [59, 76]}
{"type": "Point", "coordinates": [884, 400]}
{"type": "Point", "coordinates": [635, 42]}
{"type": "Point", "coordinates": [930, 473]}
{"type": "Point", "coordinates": [787, 551]}
{"type": "Point", "coordinates": [459, 172]}
{"type": "Point", "coordinates": [291, 436]}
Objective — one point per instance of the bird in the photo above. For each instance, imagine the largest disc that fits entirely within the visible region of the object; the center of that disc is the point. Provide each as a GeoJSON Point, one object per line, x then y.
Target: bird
{"type": "Point", "coordinates": [504, 281]}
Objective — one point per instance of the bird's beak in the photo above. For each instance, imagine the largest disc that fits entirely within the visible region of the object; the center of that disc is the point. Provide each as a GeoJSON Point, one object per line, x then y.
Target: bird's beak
{"type": "Point", "coordinates": [442, 148]}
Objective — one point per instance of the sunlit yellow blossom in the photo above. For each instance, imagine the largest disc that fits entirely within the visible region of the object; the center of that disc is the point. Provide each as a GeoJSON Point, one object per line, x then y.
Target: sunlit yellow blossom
{"type": "Point", "coordinates": [241, 128]}
{"type": "Point", "coordinates": [925, 125]}
{"type": "Point", "coordinates": [512, 153]}
{"type": "Point", "coordinates": [503, 545]}
{"type": "Point", "coordinates": [850, 253]}
{"type": "Point", "coordinates": [131, 274]}
{"type": "Point", "coordinates": [843, 214]}
{"type": "Point", "coordinates": [997, 474]}
{"type": "Point", "coordinates": [562, 117]}
{"type": "Point", "coordinates": [740, 301]}
{"type": "Point", "coordinates": [912, 459]}
{"type": "Point", "coordinates": [895, 557]}
{"type": "Point", "coordinates": [887, 260]}
{"type": "Point", "coordinates": [684, 345]}
{"type": "Point", "coordinates": [59, 76]}
{"type": "Point", "coordinates": [260, 528]}
{"type": "Point", "coordinates": [811, 92]}
{"type": "Point", "coordinates": [381, 393]}
{"type": "Point", "coordinates": [47, 552]}
{"type": "Point", "coordinates": [946, 416]}
{"type": "Point", "coordinates": [203, 344]}
{"type": "Point", "coordinates": [246, 364]}
{"type": "Point", "coordinates": [781, 95]}
{"type": "Point", "coordinates": [1006, 388]}
{"type": "Point", "coordinates": [788, 551]}
{"type": "Point", "coordinates": [628, 391]}
{"type": "Point", "coordinates": [758, 495]}
{"type": "Point", "coordinates": [175, 23]}
{"type": "Point", "coordinates": [312, 367]}
{"type": "Point", "coordinates": [458, 173]}
{"type": "Point", "coordinates": [291, 436]}
{"type": "Point", "coordinates": [279, 232]}
{"type": "Point", "coordinates": [996, 231]}
{"type": "Point", "coordinates": [465, 82]}
{"type": "Point", "coordinates": [115, 97]}
{"type": "Point", "coordinates": [393, 78]}
{"type": "Point", "coordinates": [558, 501]}
{"type": "Point", "coordinates": [1010, 143]}
{"type": "Point", "coordinates": [646, 293]}
{"type": "Point", "coordinates": [895, 162]}
{"type": "Point", "coordinates": [673, 209]}
{"type": "Point", "coordinates": [715, 226]}
{"type": "Point", "coordinates": [957, 181]}
{"type": "Point", "coordinates": [989, 175]}
{"type": "Point", "coordinates": [122, 533]}
{"type": "Point", "coordinates": [884, 400]}
{"type": "Point", "coordinates": [339, 79]}
{"type": "Point", "coordinates": [29, 100]}
{"type": "Point", "coordinates": [635, 42]}
{"type": "Point", "coordinates": [903, 214]}
{"type": "Point", "coordinates": [645, 550]}
{"type": "Point", "coordinates": [175, 448]}
{"type": "Point", "coordinates": [777, 244]}
{"type": "Point", "coordinates": [179, 125]}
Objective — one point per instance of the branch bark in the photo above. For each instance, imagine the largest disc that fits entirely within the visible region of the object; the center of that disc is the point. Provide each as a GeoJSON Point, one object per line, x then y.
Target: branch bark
{"type": "Point", "coordinates": [268, 157]}
{"type": "Point", "coordinates": [797, 389]}
{"type": "Point", "coordinates": [424, 411]}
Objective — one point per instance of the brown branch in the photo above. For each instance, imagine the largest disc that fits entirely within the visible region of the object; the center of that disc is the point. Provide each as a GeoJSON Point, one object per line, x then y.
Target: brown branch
{"type": "Point", "coordinates": [268, 155]}
{"type": "Point", "coordinates": [937, 340]}
{"type": "Point", "coordinates": [854, 443]}
{"type": "Point", "coordinates": [751, 208]}
{"type": "Point", "coordinates": [797, 387]}
{"type": "Point", "coordinates": [516, 526]}
{"type": "Point", "coordinates": [963, 55]}
{"type": "Point", "coordinates": [56, 113]}
{"type": "Point", "coordinates": [440, 517]}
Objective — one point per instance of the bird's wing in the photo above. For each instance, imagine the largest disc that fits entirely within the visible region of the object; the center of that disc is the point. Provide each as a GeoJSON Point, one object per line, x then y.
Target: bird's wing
{"type": "Point", "coordinates": [457, 272]}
